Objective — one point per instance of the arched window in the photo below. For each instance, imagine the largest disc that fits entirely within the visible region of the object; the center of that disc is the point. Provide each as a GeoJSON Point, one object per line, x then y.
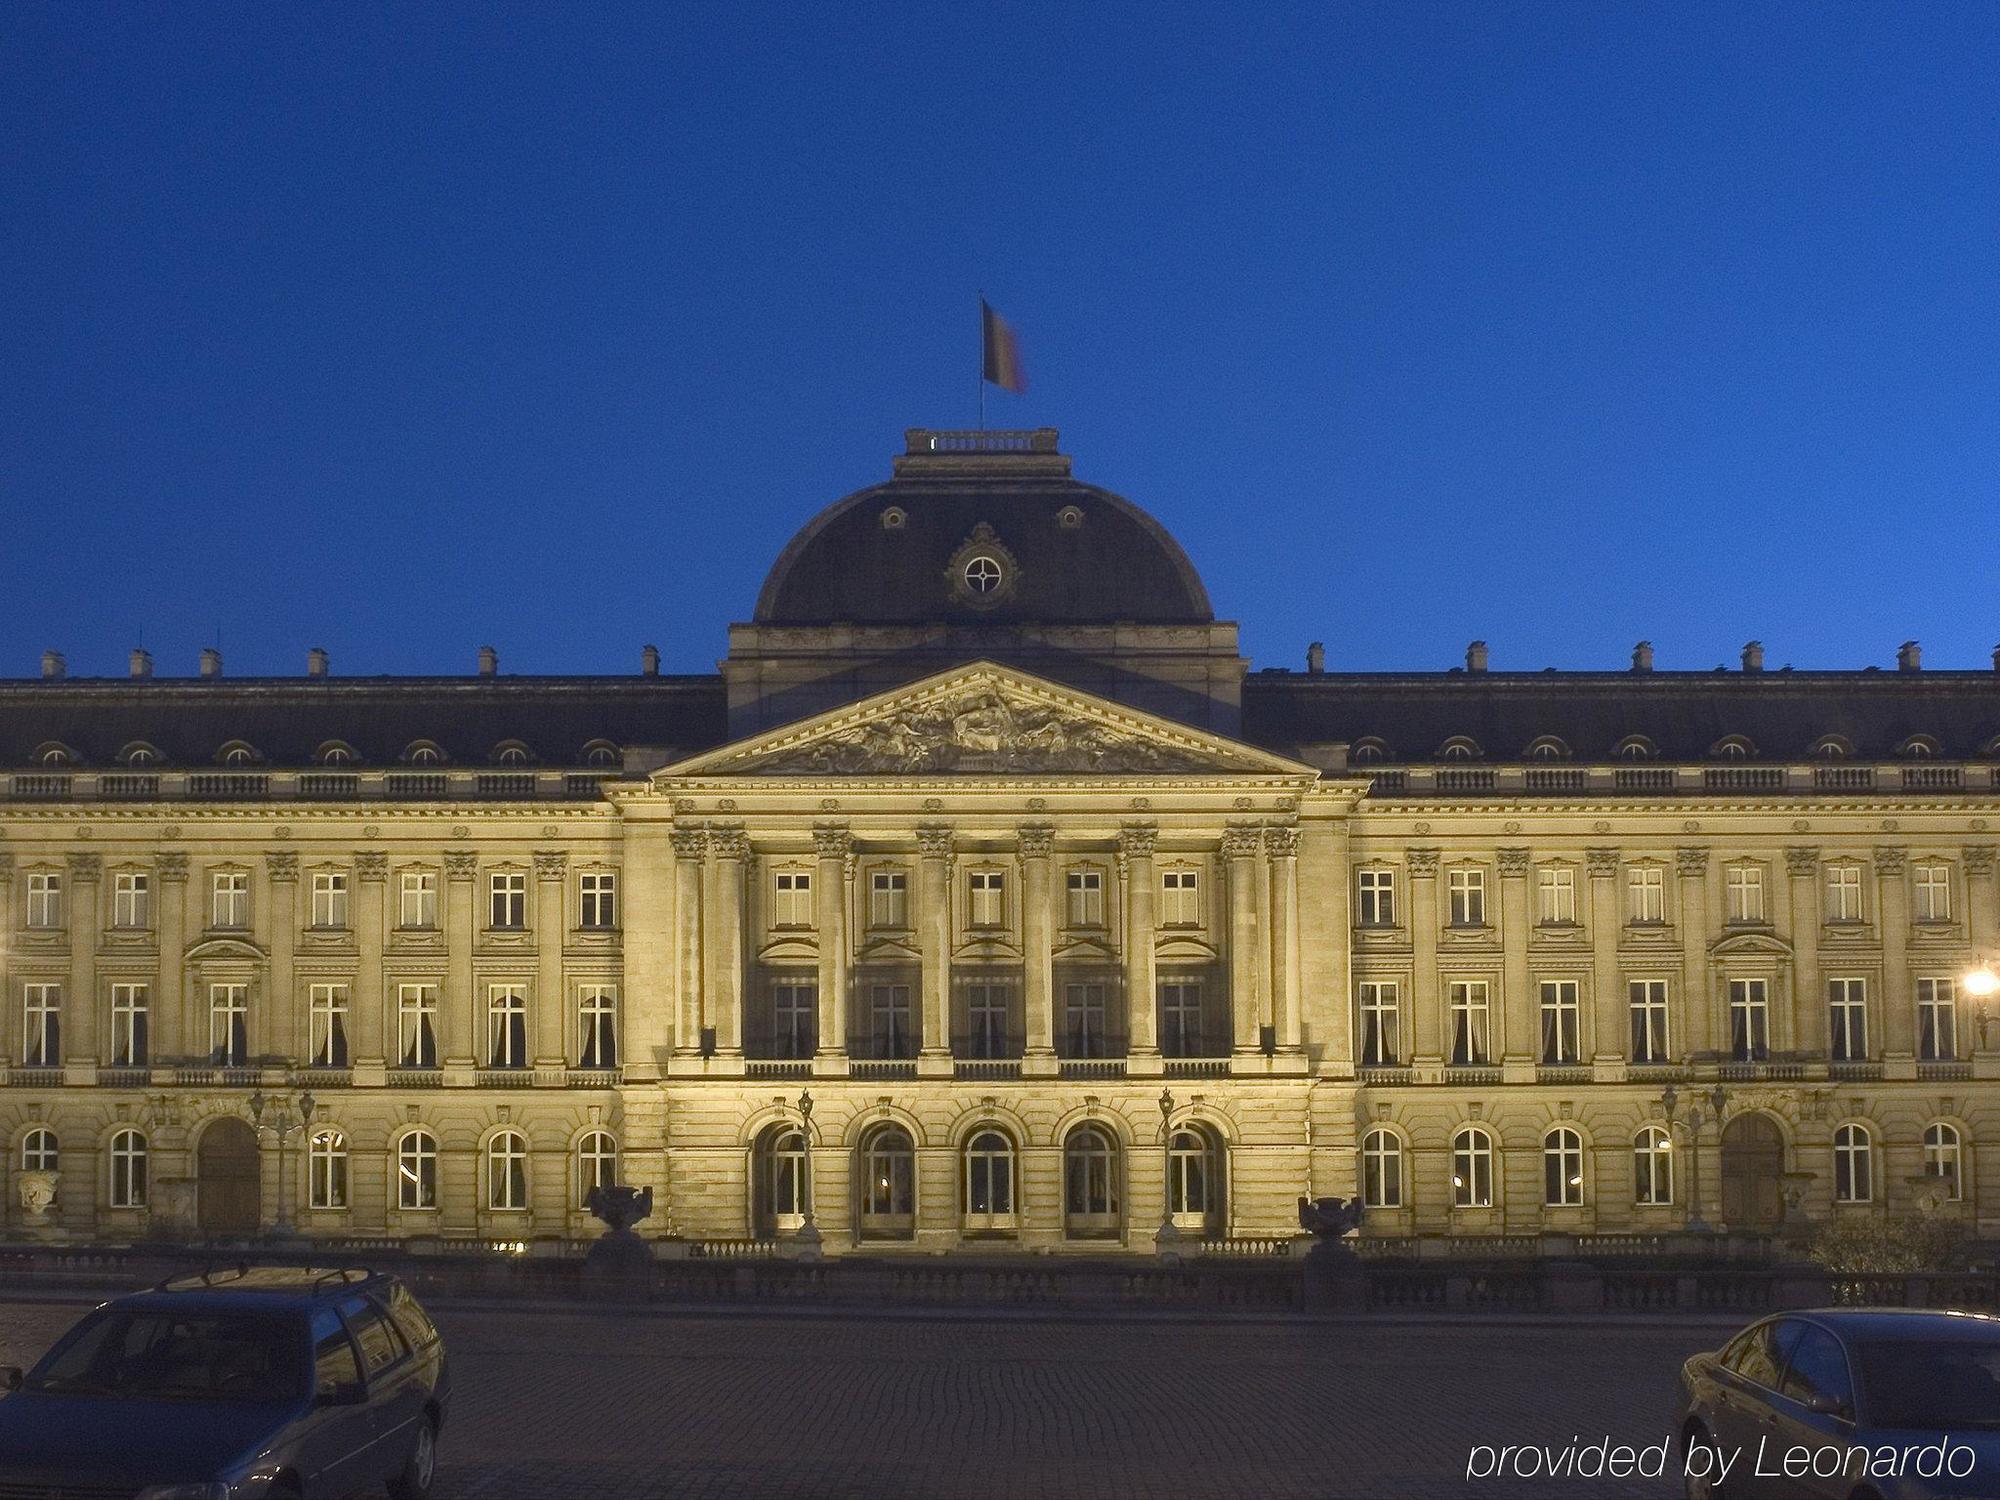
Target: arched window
{"type": "Point", "coordinates": [1472, 1168]}
{"type": "Point", "coordinates": [1853, 1165]}
{"type": "Point", "coordinates": [238, 753]}
{"type": "Point", "coordinates": [780, 1181]}
{"type": "Point", "coordinates": [55, 755]}
{"type": "Point", "coordinates": [506, 1026]}
{"type": "Point", "coordinates": [417, 1170]}
{"type": "Point", "coordinates": [1944, 1157]}
{"type": "Point", "coordinates": [507, 1171]}
{"type": "Point", "coordinates": [511, 753]}
{"type": "Point", "coordinates": [1368, 751]}
{"type": "Point", "coordinates": [1636, 747]}
{"type": "Point", "coordinates": [1194, 1179]}
{"type": "Point", "coordinates": [1459, 747]}
{"type": "Point", "coordinates": [888, 1184]}
{"type": "Point", "coordinates": [1733, 747]}
{"type": "Point", "coordinates": [1548, 747]}
{"type": "Point", "coordinates": [989, 1182]}
{"type": "Point", "coordinates": [1562, 1168]}
{"type": "Point", "coordinates": [1090, 1183]}
{"type": "Point", "coordinates": [423, 753]}
{"type": "Point", "coordinates": [601, 755]}
{"type": "Point", "coordinates": [1382, 1169]}
{"type": "Point", "coordinates": [128, 1170]}
{"type": "Point", "coordinates": [596, 1164]}
{"type": "Point", "coordinates": [1831, 747]}
{"type": "Point", "coordinates": [138, 753]}
{"type": "Point", "coordinates": [1918, 747]}
{"type": "Point", "coordinates": [334, 753]}
{"type": "Point", "coordinates": [39, 1152]}
{"type": "Point", "coordinates": [1652, 1167]}
{"type": "Point", "coordinates": [326, 1170]}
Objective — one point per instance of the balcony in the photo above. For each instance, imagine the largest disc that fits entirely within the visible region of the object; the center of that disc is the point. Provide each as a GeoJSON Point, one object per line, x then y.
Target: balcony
{"type": "Point", "coordinates": [1843, 778]}
{"type": "Point", "coordinates": [1563, 1073]}
{"type": "Point", "coordinates": [986, 1069]}
{"type": "Point", "coordinates": [1647, 779]}
{"type": "Point", "coordinates": [34, 1078]}
{"type": "Point", "coordinates": [41, 786]}
{"type": "Point", "coordinates": [1556, 780]}
{"type": "Point", "coordinates": [1933, 779]}
{"type": "Point", "coordinates": [1386, 1074]}
{"type": "Point", "coordinates": [124, 1077]}
{"type": "Point", "coordinates": [1943, 1071]}
{"type": "Point", "coordinates": [229, 785]}
{"type": "Point", "coordinates": [518, 785]}
{"type": "Point", "coordinates": [778, 1067]}
{"type": "Point", "coordinates": [1197, 1067]}
{"type": "Point", "coordinates": [593, 1078]}
{"type": "Point", "coordinates": [414, 1078]}
{"type": "Point", "coordinates": [329, 785]}
{"type": "Point", "coordinates": [503, 1078]}
{"type": "Point", "coordinates": [1854, 1071]}
{"type": "Point", "coordinates": [1090, 1067]}
{"type": "Point", "coordinates": [883, 1068]}
{"type": "Point", "coordinates": [1472, 1073]}
{"type": "Point", "coordinates": [416, 784]}
{"type": "Point", "coordinates": [1461, 779]}
{"type": "Point", "coordinates": [1741, 1071]}
{"type": "Point", "coordinates": [1743, 778]}
{"type": "Point", "coordinates": [128, 786]}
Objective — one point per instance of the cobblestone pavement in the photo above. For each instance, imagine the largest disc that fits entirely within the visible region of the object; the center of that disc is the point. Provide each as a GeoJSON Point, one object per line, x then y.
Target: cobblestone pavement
{"type": "Point", "coordinates": [574, 1404]}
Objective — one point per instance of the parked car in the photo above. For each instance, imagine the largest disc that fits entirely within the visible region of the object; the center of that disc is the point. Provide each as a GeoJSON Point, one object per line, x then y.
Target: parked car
{"type": "Point", "coordinates": [1846, 1404]}
{"type": "Point", "coordinates": [272, 1383]}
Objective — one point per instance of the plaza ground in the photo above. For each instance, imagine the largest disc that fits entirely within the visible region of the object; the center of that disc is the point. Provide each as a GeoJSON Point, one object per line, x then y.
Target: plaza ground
{"type": "Point", "coordinates": [560, 1403]}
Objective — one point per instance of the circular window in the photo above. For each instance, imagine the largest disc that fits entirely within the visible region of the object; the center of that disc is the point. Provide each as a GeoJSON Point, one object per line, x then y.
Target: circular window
{"type": "Point", "coordinates": [982, 575]}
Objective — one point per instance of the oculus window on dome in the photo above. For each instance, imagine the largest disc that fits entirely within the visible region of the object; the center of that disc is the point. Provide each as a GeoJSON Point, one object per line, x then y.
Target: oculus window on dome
{"type": "Point", "coordinates": [983, 571]}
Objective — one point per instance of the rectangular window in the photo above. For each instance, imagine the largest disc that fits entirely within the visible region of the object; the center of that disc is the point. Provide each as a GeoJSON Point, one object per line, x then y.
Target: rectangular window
{"type": "Point", "coordinates": [1648, 1001]}
{"type": "Point", "coordinates": [1749, 1020]}
{"type": "Point", "coordinates": [329, 898]}
{"type": "Point", "coordinates": [41, 1031]}
{"type": "Point", "coordinates": [1555, 893]}
{"type": "Point", "coordinates": [506, 1026]}
{"type": "Point", "coordinates": [988, 888]}
{"type": "Point", "coordinates": [45, 904]}
{"type": "Point", "coordinates": [794, 1018]}
{"type": "Point", "coordinates": [129, 1007]}
{"type": "Point", "coordinates": [1843, 893]}
{"type": "Point", "coordinates": [509, 904]}
{"type": "Point", "coordinates": [328, 1040]}
{"type": "Point", "coordinates": [1937, 1019]}
{"type": "Point", "coordinates": [597, 1026]}
{"type": "Point", "coordinates": [131, 899]}
{"type": "Point", "coordinates": [1562, 1035]}
{"type": "Point", "coordinates": [1180, 898]}
{"type": "Point", "coordinates": [418, 906]}
{"type": "Point", "coordinates": [1381, 1043]}
{"type": "Point", "coordinates": [229, 1025]}
{"type": "Point", "coordinates": [792, 898]}
{"type": "Point", "coordinates": [889, 899]}
{"type": "Point", "coordinates": [1847, 1019]}
{"type": "Point", "coordinates": [1471, 1041]}
{"type": "Point", "coordinates": [597, 896]}
{"type": "Point", "coordinates": [1744, 888]}
{"type": "Point", "coordinates": [1933, 893]}
{"type": "Point", "coordinates": [986, 1010]}
{"type": "Point", "coordinates": [231, 898]}
{"type": "Point", "coordinates": [416, 1025]}
{"type": "Point", "coordinates": [1086, 898]}
{"type": "Point", "coordinates": [1180, 1018]}
{"type": "Point", "coordinates": [1646, 890]}
{"type": "Point", "coordinates": [1084, 1020]}
{"type": "Point", "coordinates": [1466, 888]}
{"type": "Point", "coordinates": [889, 1033]}
{"type": "Point", "coordinates": [1375, 898]}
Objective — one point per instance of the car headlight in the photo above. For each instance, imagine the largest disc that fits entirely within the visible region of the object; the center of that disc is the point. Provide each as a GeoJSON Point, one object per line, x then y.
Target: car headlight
{"type": "Point", "coordinates": [185, 1492]}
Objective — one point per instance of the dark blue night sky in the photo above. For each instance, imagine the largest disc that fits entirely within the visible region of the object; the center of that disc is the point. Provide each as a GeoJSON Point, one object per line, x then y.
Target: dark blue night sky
{"type": "Point", "coordinates": [399, 330]}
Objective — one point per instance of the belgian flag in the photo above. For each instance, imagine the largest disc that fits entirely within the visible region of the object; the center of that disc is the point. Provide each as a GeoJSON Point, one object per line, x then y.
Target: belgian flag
{"type": "Point", "coordinates": [1003, 352]}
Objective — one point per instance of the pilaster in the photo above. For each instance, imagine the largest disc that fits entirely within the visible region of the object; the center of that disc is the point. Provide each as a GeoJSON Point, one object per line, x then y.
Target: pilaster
{"type": "Point", "coordinates": [83, 1029]}
{"type": "Point", "coordinates": [551, 1000]}
{"type": "Point", "coordinates": [1140, 884]}
{"type": "Point", "coordinates": [834, 845]}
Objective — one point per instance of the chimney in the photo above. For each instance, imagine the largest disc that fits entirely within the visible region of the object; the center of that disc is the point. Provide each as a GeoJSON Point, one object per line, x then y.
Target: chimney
{"type": "Point", "coordinates": [1753, 656]}
{"type": "Point", "coordinates": [1642, 657]}
{"type": "Point", "coordinates": [211, 662]}
{"type": "Point", "coordinates": [1909, 657]}
{"type": "Point", "coordinates": [1996, 658]}
{"type": "Point", "coordinates": [54, 668]}
{"type": "Point", "coordinates": [316, 662]}
{"type": "Point", "coordinates": [1475, 657]}
{"type": "Point", "coordinates": [1316, 658]}
{"type": "Point", "coordinates": [649, 661]}
{"type": "Point", "coordinates": [489, 662]}
{"type": "Point", "coordinates": [142, 662]}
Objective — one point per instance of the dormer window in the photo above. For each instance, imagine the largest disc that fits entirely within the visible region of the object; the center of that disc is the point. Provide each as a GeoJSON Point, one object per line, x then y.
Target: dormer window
{"type": "Point", "coordinates": [139, 754]}
{"type": "Point", "coordinates": [601, 754]}
{"type": "Point", "coordinates": [1368, 752]}
{"type": "Point", "coordinates": [1732, 747]}
{"type": "Point", "coordinates": [423, 753]}
{"type": "Point", "coordinates": [238, 753]}
{"type": "Point", "coordinates": [55, 755]}
{"type": "Point", "coordinates": [1918, 747]}
{"type": "Point", "coordinates": [1548, 747]}
{"type": "Point", "coordinates": [1831, 747]}
{"type": "Point", "coordinates": [1636, 747]}
{"type": "Point", "coordinates": [1459, 747]}
{"type": "Point", "coordinates": [511, 753]}
{"type": "Point", "coordinates": [334, 753]}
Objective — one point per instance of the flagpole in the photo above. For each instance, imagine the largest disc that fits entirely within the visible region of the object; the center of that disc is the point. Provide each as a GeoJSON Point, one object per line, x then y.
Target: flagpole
{"type": "Point", "coordinates": [982, 361]}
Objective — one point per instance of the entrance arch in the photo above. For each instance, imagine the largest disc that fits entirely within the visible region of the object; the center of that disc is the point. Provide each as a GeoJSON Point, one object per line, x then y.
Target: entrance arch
{"type": "Point", "coordinates": [1753, 1154]}
{"type": "Point", "coordinates": [226, 1170]}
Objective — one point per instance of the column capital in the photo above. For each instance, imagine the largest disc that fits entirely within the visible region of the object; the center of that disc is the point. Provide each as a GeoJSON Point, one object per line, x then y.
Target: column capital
{"type": "Point", "coordinates": [282, 864]}
{"type": "Point", "coordinates": [85, 866]}
{"type": "Point", "coordinates": [551, 864]}
{"type": "Point", "coordinates": [1889, 858]}
{"type": "Point", "coordinates": [461, 864]}
{"type": "Point", "coordinates": [690, 841]}
{"type": "Point", "coordinates": [1513, 861]}
{"type": "Point", "coordinates": [172, 866]}
{"type": "Point", "coordinates": [729, 841]}
{"type": "Point", "coordinates": [1136, 840]}
{"type": "Point", "coordinates": [1603, 863]}
{"type": "Point", "coordinates": [1038, 840]}
{"type": "Point", "coordinates": [6, 865]}
{"type": "Point", "coordinates": [1979, 859]}
{"type": "Point", "coordinates": [1802, 860]}
{"type": "Point", "coordinates": [1240, 840]}
{"type": "Point", "coordinates": [833, 840]}
{"type": "Point", "coordinates": [372, 865]}
{"type": "Point", "coordinates": [1423, 862]}
{"type": "Point", "coordinates": [1281, 841]}
{"type": "Point", "coordinates": [1691, 859]}
{"type": "Point", "coordinates": [934, 840]}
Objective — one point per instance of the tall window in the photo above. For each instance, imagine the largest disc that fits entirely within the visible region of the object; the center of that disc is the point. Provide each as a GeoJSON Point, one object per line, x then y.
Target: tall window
{"type": "Point", "coordinates": [1466, 887]}
{"type": "Point", "coordinates": [1555, 892]}
{"type": "Point", "coordinates": [791, 898]}
{"type": "Point", "coordinates": [41, 1030]}
{"type": "Point", "coordinates": [132, 899]}
{"type": "Point", "coordinates": [1646, 893]}
{"type": "Point", "coordinates": [1083, 1019]}
{"type": "Point", "coordinates": [1843, 893]}
{"type": "Point", "coordinates": [417, 1170]}
{"type": "Point", "coordinates": [1749, 1020]}
{"type": "Point", "coordinates": [597, 1025]}
{"type": "Point", "coordinates": [45, 903]}
{"type": "Point", "coordinates": [129, 1026]}
{"type": "Point", "coordinates": [1375, 892]}
{"type": "Point", "coordinates": [328, 1023]}
{"type": "Point", "coordinates": [596, 1164]}
{"type": "Point", "coordinates": [128, 1170]}
{"type": "Point", "coordinates": [1647, 999]}
{"type": "Point", "coordinates": [794, 1018]}
{"type": "Point", "coordinates": [418, 904]}
{"type": "Point", "coordinates": [1561, 1021]}
{"type": "Point", "coordinates": [1847, 1019]}
{"type": "Point", "coordinates": [986, 1020]}
{"type": "Point", "coordinates": [508, 903]}
{"type": "Point", "coordinates": [416, 1025]}
{"type": "Point", "coordinates": [1086, 898]}
{"type": "Point", "coordinates": [1382, 1169]}
{"type": "Point", "coordinates": [989, 1176]}
{"type": "Point", "coordinates": [506, 1026]}
{"type": "Point", "coordinates": [1933, 893]}
{"type": "Point", "coordinates": [1381, 1042]}
{"type": "Point", "coordinates": [1471, 1042]}
{"type": "Point", "coordinates": [1652, 1167]}
{"type": "Point", "coordinates": [889, 1031]}
{"type": "Point", "coordinates": [507, 1171]}
{"type": "Point", "coordinates": [888, 899]}
{"type": "Point", "coordinates": [1562, 1168]}
{"type": "Point", "coordinates": [326, 1170]}
{"type": "Point", "coordinates": [229, 1024]}
{"type": "Point", "coordinates": [597, 897]}
{"type": "Point", "coordinates": [784, 1185]}
{"type": "Point", "coordinates": [1937, 1019]}
{"type": "Point", "coordinates": [1472, 1168]}
{"type": "Point", "coordinates": [1180, 1018]}
{"type": "Point", "coordinates": [231, 905]}
{"type": "Point", "coordinates": [1194, 1174]}
{"type": "Point", "coordinates": [888, 1182]}
{"type": "Point", "coordinates": [1944, 1157]}
{"type": "Point", "coordinates": [38, 1151]}
{"type": "Point", "coordinates": [1180, 898]}
{"type": "Point", "coordinates": [1090, 1182]}
{"type": "Point", "coordinates": [329, 898]}
{"type": "Point", "coordinates": [1743, 890]}
{"type": "Point", "coordinates": [1853, 1165]}
{"type": "Point", "coordinates": [989, 902]}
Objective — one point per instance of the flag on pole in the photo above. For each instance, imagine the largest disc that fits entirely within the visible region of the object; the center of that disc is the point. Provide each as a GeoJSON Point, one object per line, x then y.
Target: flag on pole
{"type": "Point", "coordinates": [1003, 352]}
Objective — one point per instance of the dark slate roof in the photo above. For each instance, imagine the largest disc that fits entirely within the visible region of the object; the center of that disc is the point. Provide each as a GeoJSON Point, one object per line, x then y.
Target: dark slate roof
{"type": "Point", "coordinates": [1684, 714]}
{"type": "Point", "coordinates": [286, 720]}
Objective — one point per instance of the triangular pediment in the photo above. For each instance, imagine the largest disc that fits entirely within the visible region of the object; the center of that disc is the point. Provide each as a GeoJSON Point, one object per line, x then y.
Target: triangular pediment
{"type": "Point", "coordinates": [986, 719]}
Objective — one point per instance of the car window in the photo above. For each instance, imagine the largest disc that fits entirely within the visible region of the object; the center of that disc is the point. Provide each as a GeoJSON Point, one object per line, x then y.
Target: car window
{"type": "Point", "coordinates": [334, 1360]}
{"type": "Point", "coordinates": [167, 1355]}
{"type": "Point", "coordinates": [1947, 1385]}
{"type": "Point", "coordinates": [410, 1317]}
{"type": "Point", "coordinates": [1818, 1366]}
{"type": "Point", "coordinates": [381, 1345]}
{"type": "Point", "coordinates": [1754, 1357]}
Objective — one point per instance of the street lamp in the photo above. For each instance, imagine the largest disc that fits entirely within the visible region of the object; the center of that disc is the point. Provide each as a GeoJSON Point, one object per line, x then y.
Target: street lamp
{"type": "Point", "coordinates": [808, 1237]}
{"type": "Point", "coordinates": [1982, 984]}
{"type": "Point", "coordinates": [1694, 1119]}
{"type": "Point", "coordinates": [1167, 1239]}
{"type": "Point", "coordinates": [274, 1118]}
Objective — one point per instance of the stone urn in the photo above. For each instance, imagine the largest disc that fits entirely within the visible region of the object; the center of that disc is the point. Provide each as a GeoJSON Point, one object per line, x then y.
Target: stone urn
{"type": "Point", "coordinates": [37, 1190]}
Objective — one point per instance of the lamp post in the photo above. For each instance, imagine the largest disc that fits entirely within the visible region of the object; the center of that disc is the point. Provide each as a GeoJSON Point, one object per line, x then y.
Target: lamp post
{"type": "Point", "coordinates": [1982, 984]}
{"type": "Point", "coordinates": [808, 1236]}
{"type": "Point", "coordinates": [1694, 1119]}
{"type": "Point", "coordinates": [1167, 1239]}
{"type": "Point", "coordinates": [274, 1117]}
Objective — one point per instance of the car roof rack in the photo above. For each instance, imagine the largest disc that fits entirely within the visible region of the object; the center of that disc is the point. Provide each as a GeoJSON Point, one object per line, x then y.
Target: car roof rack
{"type": "Point", "coordinates": [309, 1278]}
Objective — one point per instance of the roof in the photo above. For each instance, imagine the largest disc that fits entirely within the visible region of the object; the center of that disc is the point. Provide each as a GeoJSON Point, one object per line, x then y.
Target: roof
{"type": "Point", "coordinates": [256, 1287]}
{"type": "Point", "coordinates": [1931, 1323]}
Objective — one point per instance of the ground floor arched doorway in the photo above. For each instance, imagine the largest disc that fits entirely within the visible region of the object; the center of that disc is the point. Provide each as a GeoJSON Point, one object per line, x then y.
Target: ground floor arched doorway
{"type": "Point", "coordinates": [1753, 1156]}
{"type": "Point", "coordinates": [227, 1174]}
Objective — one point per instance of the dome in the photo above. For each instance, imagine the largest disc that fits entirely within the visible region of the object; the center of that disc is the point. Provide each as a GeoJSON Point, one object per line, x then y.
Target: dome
{"type": "Point", "coordinates": [979, 527]}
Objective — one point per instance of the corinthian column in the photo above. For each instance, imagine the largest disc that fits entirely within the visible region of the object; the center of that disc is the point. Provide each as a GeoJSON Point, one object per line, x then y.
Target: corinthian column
{"type": "Point", "coordinates": [1239, 851]}
{"type": "Point", "coordinates": [80, 1045]}
{"type": "Point", "coordinates": [1142, 1003]}
{"type": "Point", "coordinates": [1522, 1043]}
{"type": "Point", "coordinates": [1700, 1034]}
{"type": "Point", "coordinates": [371, 893]}
{"type": "Point", "coordinates": [690, 850]}
{"type": "Point", "coordinates": [171, 1040]}
{"type": "Point", "coordinates": [456, 1004]}
{"type": "Point", "coordinates": [1037, 939]}
{"type": "Point", "coordinates": [1281, 845]}
{"type": "Point", "coordinates": [725, 938]}
{"type": "Point", "coordinates": [834, 845]}
{"type": "Point", "coordinates": [934, 897]}
{"type": "Point", "coordinates": [276, 1029]}
{"type": "Point", "coordinates": [1427, 1018]}
{"type": "Point", "coordinates": [1808, 1009]}
{"type": "Point", "coordinates": [551, 1004]}
{"type": "Point", "coordinates": [1899, 1006]}
{"type": "Point", "coordinates": [1612, 1037]}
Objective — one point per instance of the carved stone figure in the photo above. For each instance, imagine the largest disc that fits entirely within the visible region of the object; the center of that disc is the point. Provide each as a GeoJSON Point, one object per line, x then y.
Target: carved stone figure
{"type": "Point", "coordinates": [37, 1190]}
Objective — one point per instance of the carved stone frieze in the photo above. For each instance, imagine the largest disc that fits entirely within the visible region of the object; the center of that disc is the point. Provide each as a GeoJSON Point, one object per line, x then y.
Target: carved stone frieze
{"type": "Point", "coordinates": [1513, 861]}
{"type": "Point", "coordinates": [1691, 859]}
{"type": "Point", "coordinates": [1802, 859]}
{"type": "Point", "coordinates": [1603, 862]}
{"type": "Point", "coordinates": [282, 864]}
{"type": "Point", "coordinates": [461, 864]}
{"type": "Point", "coordinates": [1889, 858]}
{"type": "Point", "coordinates": [372, 865]}
{"type": "Point", "coordinates": [1423, 861]}
{"type": "Point", "coordinates": [1979, 859]}
{"type": "Point", "coordinates": [551, 864]}
{"type": "Point", "coordinates": [85, 866]}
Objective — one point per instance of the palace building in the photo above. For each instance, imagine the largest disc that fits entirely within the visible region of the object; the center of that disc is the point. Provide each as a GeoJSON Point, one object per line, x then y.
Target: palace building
{"type": "Point", "coordinates": [987, 901]}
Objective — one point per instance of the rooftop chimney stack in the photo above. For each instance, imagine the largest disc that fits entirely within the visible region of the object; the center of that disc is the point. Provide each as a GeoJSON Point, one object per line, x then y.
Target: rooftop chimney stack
{"type": "Point", "coordinates": [489, 662]}
{"type": "Point", "coordinates": [1642, 657]}
{"type": "Point", "coordinates": [142, 662]}
{"type": "Point", "coordinates": [211, 662]}
{"type": "Point", "coordinates": [1316, 658]}
{"type": "Point", "coordinates": [1996, 658]}
{"type": "Point", "coordinates": [54, 668]}
{"type": "Point", "coordinates": [1753, 656]}
{"type": "Point", "coordinates": [649, 661]}
{"type": "Point", "coordinates": [1909, 657]}
{"type": "Point", "coordinates": [1475, 657]}
{"type": "Point", "coordinates": [317, 662]}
